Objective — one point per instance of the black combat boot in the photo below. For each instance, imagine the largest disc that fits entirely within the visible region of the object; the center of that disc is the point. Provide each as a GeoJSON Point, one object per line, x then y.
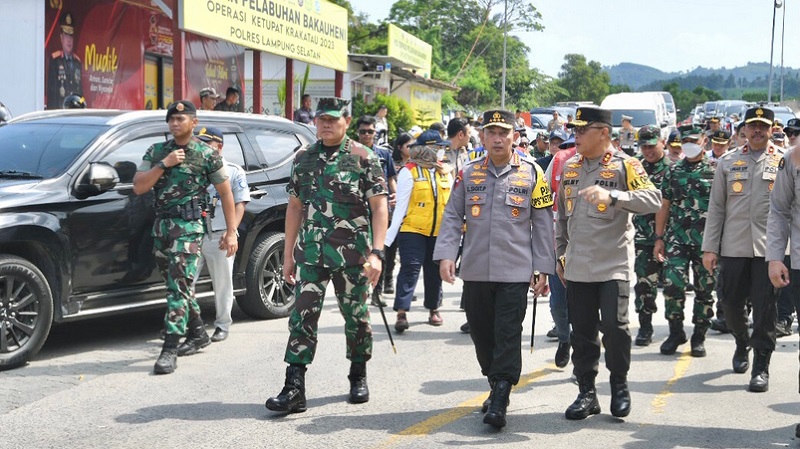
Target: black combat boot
{"type": "Point", "coordinates": [676, 337]}
{"type": "Point", "coordinates": [196, 338]}
{"type": "Point", "coordinates": [741, 357]}
{"type": "Point", "coordinates": [698, 339]}
{"type": "Point", "coordinates": [759, 382]}
{"type": "Point", "coordinates": [359, 392]}
{"type": "Point", "coordinates": [620, 397]}
{"type": "Point", "coordinates": [388, 284]}
{"type": "Point", "coordinates": [168, 360]}
{"type": "Point", "coordinates": [488, 400]}
{"type": "Point", "coordinates": [496, 414]}
{"type": "Point", "coordinates": [645, 335]}
{"type": "Point", "coordinates": [586, 403]}
{"type": "Point", "coordinates": [292, 399]}
{"type": "Point", "coordinates": [562, 354]}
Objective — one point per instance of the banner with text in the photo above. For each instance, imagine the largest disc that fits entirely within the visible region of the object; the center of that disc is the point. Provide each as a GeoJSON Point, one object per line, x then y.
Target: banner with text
{"type": "Point", "coordinates": [410, 49]}
{"type": "Point", "coordinates": [309, 31]}
{"type": "Point", "coordinates": [427, 105]}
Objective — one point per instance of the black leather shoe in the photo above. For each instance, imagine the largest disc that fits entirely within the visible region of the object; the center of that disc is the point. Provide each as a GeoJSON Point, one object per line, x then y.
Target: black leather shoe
{"type": "Point", "coordinates": [620, 399]}
{"type": "Point", "coordinates": [676, 338]}
{"type": "Point", "coordinates": [783, 328]}
{"type": "Point", "coordinates": [465, 328]}
{"type": "Point", "coordinates": [645, 335]}
{"type": "Point", "coordinates": [585, 404]}
{"type": "Point", "coordinates": [718, 324]}
{"type": "Point", "coordinates": [552, 333]}
{"type": "Point", "coordinates": [486, 402]}
{"type": "Point", "coordinates": [496, 413]}
{"type": "Point", "coordinates": [376, 299]}
{"type": "Point", "coordinates": [219, 335]}
{"type": "Point", "coordinates": [359, 392]}
{"type": "Point", "coordinates": [759, 382]}
{"type": "Point", "coordinates": [562, 354]}
{"type": "Point", "coordinates": [741, 358]}
{"type": "Point", "coordinates": [196, 339]}
{"type": "Point", "coordinates": [292, 399]}
{"type": "Point", "coordinates": [168, 359]}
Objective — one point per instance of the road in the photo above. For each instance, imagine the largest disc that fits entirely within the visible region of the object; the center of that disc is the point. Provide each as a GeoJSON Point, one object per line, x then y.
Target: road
{"type": "Point", "coordinates": [91, 386]}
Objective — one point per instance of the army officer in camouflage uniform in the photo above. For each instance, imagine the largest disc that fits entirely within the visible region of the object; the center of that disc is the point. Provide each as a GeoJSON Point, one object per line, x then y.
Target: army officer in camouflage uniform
{"type": "Point", "coordinates": [180, 170]}
{"type": "Point", "coordinates": [507, 205]}
{"type": "Point", "coordinates": [685, 190]}
{"type": "Point", "coordinates": [337, 201]}
{"type": "Point", "coordinates": [600, 189]}
{"type": "Point", "coordinates": [736, 229]}
{"type": "Point", "coordinates": [647, 267]}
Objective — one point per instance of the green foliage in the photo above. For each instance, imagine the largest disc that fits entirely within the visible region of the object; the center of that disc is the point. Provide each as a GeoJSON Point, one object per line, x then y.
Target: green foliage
{"type": "Point", "coordinates": [754, 96]}
{"type": "Point", "coordinates": [584, 81]}
{"type": "Point", "coordinates": [685, 99]}
{"type": "Point", "coordinates": [400, 116]}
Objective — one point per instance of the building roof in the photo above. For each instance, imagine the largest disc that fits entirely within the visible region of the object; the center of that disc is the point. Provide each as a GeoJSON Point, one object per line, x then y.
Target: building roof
{"type": "Point", "coordinates": [402, 70]}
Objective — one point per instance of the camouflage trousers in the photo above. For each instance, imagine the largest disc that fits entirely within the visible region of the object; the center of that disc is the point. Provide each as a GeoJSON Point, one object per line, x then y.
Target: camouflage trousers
{"type": "Point", "coordinates": [351, 287]}
{"type": "Point", "coordinates": [648, 272]}
{"type": "Point", "coordinates": [177, 256]}
{"type": "Point", "coordinates": [676, 276]}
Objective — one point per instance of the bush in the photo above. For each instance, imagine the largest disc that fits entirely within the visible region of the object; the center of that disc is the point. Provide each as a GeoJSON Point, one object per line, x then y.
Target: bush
{"type": "Point", "coordinates": [400, 116]}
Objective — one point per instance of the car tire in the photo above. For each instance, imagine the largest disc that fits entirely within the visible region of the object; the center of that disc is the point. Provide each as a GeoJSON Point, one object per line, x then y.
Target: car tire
{"type": "Point", "coordinates": [268, 295]}
{"type": "Point", "coordinates": [26, 311]}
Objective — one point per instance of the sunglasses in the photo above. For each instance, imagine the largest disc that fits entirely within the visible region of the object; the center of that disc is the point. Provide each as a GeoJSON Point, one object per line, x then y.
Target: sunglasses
{"type": "Point", "coordinates": [792, 133]}
{"type": "Point", "coordinates": [582, 129]}
{"type": "Point", "coordinates": [366, 131]}
{"type": "Point", "coordinates": [523, 144]}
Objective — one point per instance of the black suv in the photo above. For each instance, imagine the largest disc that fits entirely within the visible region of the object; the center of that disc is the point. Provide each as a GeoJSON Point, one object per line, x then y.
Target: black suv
{"type": "Point", "coordinates": [75, 241]}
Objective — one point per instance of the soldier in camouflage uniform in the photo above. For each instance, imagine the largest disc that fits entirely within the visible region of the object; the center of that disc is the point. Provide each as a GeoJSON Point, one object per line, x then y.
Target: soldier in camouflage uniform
{"type": "Point", "coordinates": [686, 189]}
{"type": "Point", "coordinates": [180, 170]}
{"type": "Point", "coordinates": [648, 269]}
{"type": "Point", "coordinates": [337, 201]}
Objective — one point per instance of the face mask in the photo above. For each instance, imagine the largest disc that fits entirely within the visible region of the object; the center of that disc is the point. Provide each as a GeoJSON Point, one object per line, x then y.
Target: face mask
{"type": "Point", "coordinates": [691, 150]}
{"type": "Point", "coordinates": [440, 155]}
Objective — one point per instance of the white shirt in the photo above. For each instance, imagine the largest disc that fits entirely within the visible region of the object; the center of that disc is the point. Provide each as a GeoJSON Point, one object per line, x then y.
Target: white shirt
{"type": "Point", "coordinates": [405, 185]}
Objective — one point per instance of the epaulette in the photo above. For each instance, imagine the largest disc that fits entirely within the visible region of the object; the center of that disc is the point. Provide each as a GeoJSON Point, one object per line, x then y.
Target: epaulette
{"type": "Point", "coordinates": [57, 54]}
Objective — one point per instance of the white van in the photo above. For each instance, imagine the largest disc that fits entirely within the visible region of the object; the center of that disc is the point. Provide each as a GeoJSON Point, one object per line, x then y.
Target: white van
{"type": "Point", "coordinates": [672, 110]}
{"type": "Point", "coordinates": [646, 108]}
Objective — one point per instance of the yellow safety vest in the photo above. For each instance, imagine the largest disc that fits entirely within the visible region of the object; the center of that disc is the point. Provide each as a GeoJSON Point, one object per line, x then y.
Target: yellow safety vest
{"type": "Point", "coordinates": [425, 210]}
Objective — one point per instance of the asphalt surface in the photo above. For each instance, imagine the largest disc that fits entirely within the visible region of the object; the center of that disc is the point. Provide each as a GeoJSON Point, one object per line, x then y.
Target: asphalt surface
{"type": "Point", "coordinates": [92, 386]}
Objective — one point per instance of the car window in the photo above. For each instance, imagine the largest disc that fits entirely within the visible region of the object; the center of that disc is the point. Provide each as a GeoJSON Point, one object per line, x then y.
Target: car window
{"type": "Point", "coordinates": [44, 150]}
{"type": "Point", "coordinates": [232, 149]}
{"type": "Point", "coordinates": [274, 146]}
{"type": "Point", "coordinates": [127, 157]}
{"type": "Point", "coordinates": [640, 117]}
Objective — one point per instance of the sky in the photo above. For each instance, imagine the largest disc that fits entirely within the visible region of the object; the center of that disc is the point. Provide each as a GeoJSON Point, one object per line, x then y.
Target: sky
{"type": "Point", "coordinates": [670, 35]}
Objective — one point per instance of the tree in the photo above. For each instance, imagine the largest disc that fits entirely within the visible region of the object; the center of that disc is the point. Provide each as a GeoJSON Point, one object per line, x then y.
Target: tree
{"type": "Point", "coordinates": [584, 80]}
{"type": "Point", "coordinates": [400, 116]}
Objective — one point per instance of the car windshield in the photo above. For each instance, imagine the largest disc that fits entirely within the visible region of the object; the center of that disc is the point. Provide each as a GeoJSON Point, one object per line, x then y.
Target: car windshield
{"type": "Point", "coordinates": [784, 116]}
{"type": "Point", "coordinates": [40, 150]}
{"type": "Point", "coordinates": [669, 102]}
{"type": "Point", "coordinates": [640, 117]}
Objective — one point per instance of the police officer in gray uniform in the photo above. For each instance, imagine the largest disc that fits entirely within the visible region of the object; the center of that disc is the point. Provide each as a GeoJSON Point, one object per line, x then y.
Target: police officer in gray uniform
{"type": "Point", "coordinates": [507, 205]}
{"type": "Point", "coordinates": [600, 189]}
{"type": "Point", "coordinates": [736, 229]}
{"type": "Point", "coordinates": [783, 223]}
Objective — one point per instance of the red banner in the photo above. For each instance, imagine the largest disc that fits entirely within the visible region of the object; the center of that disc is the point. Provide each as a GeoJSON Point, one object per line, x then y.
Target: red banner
{"type": "Point", "coordinates": [96, 49]}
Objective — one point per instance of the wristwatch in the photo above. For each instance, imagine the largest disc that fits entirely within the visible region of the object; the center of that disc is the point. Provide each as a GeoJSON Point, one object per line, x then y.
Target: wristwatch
{"type": "Point", "coordinates": [380, 253]}
{"type": "Point", "coordinates": [614, 196]}
{"type": "Point", "coordinates": [162, 165]}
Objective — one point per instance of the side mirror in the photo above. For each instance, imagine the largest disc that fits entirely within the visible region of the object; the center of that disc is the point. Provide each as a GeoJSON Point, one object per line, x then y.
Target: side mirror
{"type": "Point", "coordinates": [101, 177]}
{"type": "Point", "coordinates": [664, 123]}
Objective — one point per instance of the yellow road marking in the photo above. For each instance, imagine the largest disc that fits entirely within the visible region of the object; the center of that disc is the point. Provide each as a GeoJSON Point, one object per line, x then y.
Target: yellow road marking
{"type": "Point", "coordinates": [461, 410]}
{"type": "Point", "coordinates": [660, 401]}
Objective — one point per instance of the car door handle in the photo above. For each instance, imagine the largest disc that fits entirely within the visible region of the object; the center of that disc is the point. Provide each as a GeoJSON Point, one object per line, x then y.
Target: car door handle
{"type": "Point", "coordinates": [258, 193]}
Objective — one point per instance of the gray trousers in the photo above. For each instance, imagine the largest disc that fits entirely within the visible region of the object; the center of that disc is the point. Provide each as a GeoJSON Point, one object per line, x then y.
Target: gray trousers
{"type": "Point", "coordinates": [220, 268]}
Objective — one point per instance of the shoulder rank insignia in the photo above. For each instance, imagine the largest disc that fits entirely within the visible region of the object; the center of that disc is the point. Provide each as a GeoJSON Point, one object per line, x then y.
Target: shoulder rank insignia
{"type": "Point", "coordinates": [607, 158]}
{"type": "Point", "coordinates": [781, 164]}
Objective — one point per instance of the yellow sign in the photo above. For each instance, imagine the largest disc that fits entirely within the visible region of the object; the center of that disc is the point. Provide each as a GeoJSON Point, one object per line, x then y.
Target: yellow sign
{"type": "Point", "coordinates": [409, 49]}
{"type": "Point", "coordinates": [309, 31]}
{"type": "Point", "coordinates": [426, 104]}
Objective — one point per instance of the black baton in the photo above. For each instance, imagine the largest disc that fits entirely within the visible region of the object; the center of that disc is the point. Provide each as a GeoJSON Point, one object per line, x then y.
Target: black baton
{"type": "Point", "coordinates": [533, 318]}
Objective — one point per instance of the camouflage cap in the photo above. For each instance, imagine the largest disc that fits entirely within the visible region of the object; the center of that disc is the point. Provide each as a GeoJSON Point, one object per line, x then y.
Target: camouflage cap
{"type": "Point", "coordinates": [332, 106]}
{"type": "Point", "coordinates": [649, 135]}
{"type": "Point", "coordinates": [181, 107]}
{"type": "Point", "coordinates": [721, 137]}
{"type": "Point", "coordinates": [690, 132]}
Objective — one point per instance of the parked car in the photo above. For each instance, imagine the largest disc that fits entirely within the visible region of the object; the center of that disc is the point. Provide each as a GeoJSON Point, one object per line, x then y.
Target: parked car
{"type": "Point", "coordinates": [75, 241]}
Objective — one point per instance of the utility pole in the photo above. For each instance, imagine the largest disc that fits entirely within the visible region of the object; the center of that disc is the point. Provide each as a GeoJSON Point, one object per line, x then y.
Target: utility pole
{"type": "Point", "coordinates": [775, 5]}
{"type": "Point", "coordinates": [505, 40]}
{"type": "Point", "coordinates": [783, 32]}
